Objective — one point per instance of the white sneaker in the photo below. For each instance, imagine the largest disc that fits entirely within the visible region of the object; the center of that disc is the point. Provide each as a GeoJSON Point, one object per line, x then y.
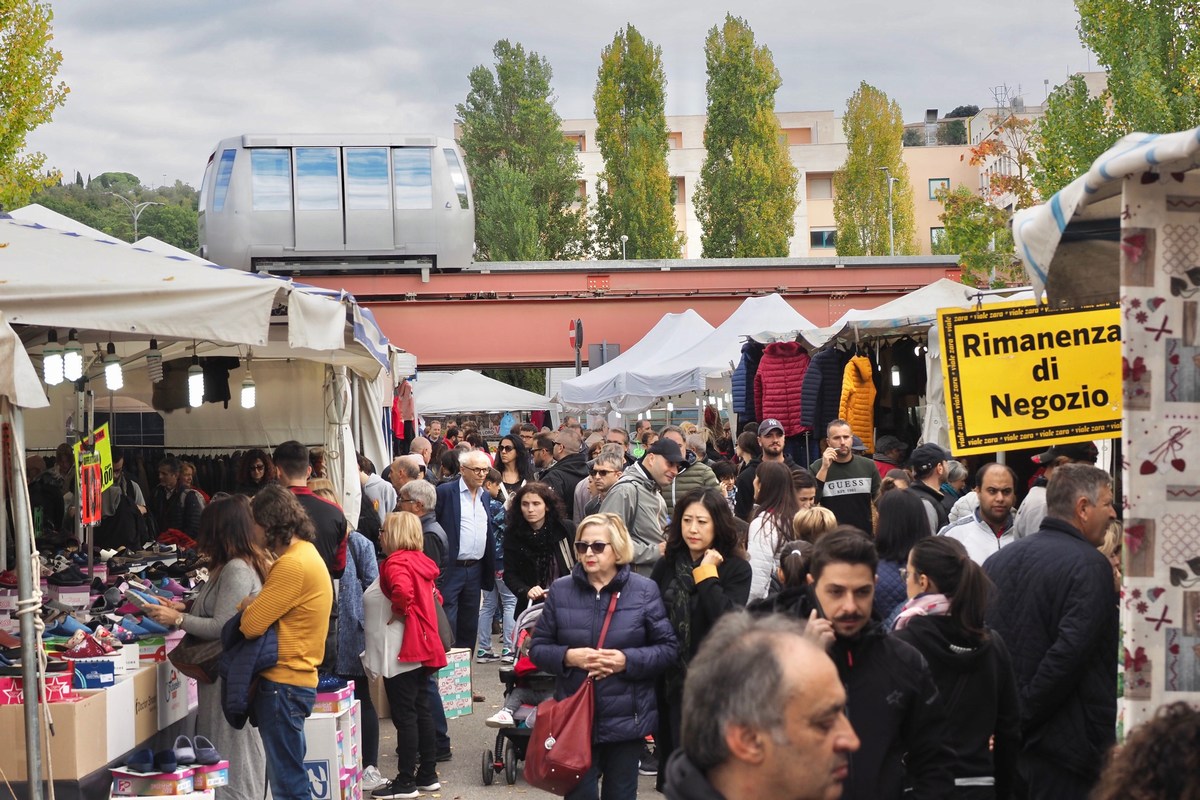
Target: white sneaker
{"type": "Point", "coordinates": [371, 779]}
{"type": "Point", "coordinates": [501, 719]}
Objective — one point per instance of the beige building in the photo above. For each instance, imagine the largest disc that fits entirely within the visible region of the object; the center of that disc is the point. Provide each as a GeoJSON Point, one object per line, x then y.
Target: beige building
{"type": "Point", "coordinates": [932, 168]}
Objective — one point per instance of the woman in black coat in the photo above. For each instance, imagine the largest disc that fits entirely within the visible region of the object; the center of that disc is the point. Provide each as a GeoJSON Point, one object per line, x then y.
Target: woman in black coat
{"type": "Point", "coordinates": [537, 544]}
{"type": "Point", "coordinates": [703, 574]}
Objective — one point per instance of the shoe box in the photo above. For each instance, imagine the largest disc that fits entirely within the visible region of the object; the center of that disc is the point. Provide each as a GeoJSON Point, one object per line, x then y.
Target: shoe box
{"type": "Point", "coordinates": [334, 702]}
{"type": "Point", "coordinates": [95, 673]}
{"type": "Point", "coordinates": [211, 776]}
{"type": "Point", "coordinates": [8, 600]}
{"type": "Point", "coordinates": [454, 683]}
{"type": "Point", "coordinates": [127, 783]}
{"type": "Point", "coordinates": [331, 759]}
{"type": "Point", "coordinates": [177, 694]}
{"type": "Point", "coordinates": [77, 597]}
{"type": "Point", "coordinates": [123, 700]}
{"type": "Point", "coordinates": [78, 748]}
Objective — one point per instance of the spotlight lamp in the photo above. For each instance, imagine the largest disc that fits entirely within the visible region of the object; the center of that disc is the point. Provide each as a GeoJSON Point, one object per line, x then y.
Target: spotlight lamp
{"type": "Point", "coordinates": [52, 360]}
{"type": "Point", "coordinates": [73, 357]}
{"type": "Point", "coordinates": [113, 378]}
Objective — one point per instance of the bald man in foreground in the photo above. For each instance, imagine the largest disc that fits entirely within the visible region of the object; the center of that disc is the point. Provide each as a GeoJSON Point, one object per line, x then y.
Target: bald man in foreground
{"type": "Point", "coordinates": [781, 732]}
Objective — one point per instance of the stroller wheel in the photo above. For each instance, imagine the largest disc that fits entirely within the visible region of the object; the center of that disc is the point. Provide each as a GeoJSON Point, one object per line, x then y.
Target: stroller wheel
{"type": "Point", "coordinates": [489, 771]}
{"type": "Point", "coordinates": [510, 762]}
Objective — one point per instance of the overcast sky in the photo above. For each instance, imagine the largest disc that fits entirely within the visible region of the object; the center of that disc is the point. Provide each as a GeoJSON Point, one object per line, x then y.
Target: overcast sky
{"type": "Point", "coordinates": [155, 84]}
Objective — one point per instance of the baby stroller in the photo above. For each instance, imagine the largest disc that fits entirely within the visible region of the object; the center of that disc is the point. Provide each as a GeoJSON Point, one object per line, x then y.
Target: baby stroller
{"type": "Point", "coordinates": [511, 742]}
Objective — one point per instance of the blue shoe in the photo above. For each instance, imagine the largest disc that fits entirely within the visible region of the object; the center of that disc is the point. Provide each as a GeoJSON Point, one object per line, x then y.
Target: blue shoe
{"type": "Point", "coordinates": [150, 626]}
{"type": "Point", "coordinates": [141, 760]}
{"type": "Point", "coordinates": [70, 624]}
{"type": "Point", "coordinates": [131, 624]}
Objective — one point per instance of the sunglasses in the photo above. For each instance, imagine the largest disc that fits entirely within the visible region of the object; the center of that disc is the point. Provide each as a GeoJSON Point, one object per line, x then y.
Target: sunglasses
{"type": "Point", "coordinates": [600, 473]}
{"type": "Point", "coordinates": [596, 547]}
{"type": "Point", "coordinates": [506, 448]}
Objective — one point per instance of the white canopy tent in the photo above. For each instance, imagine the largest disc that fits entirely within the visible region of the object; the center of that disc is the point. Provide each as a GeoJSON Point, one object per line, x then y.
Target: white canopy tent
{"type": "Point", "coordinates": [608, 383]}
{"type": "Point", "coordinates": [40, 215]}
{"type": "Point", "coordinates": [713, 356]}
{"type": "Point", "coordinates": [468, 390]}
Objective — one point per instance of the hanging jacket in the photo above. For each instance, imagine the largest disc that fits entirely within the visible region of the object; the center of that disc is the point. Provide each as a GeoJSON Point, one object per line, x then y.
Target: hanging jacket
{"type": "Point", "coordinates": [821, 391]}
{"type": "Point", "coordinates": [743, 380]}
{"type": "Point", "coordinates": [240, 663]}
{"type": "Point", "coordinates": [858, 399]}
{"type": "Point", "coordinates": [778, 382]}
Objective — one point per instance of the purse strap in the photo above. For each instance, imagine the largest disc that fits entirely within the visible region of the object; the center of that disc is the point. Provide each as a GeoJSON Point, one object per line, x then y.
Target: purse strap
{"type": "Point", "coordinates": [612, 606]}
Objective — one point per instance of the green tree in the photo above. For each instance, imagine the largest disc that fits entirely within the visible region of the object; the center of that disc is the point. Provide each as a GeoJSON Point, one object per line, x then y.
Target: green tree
{"type": "Point", "coordinates": [1074, 132]}
{"type": "Point", "coordinates": [952, 131]}
{"type": "Point", "coordinates": [633, 193]}
{"type": "Point", "coordinates": [746, 200]}
{"type": "Point", "coordinates": [174, 222]}
{"type": "Point", "coordinates": [28, 96]}
{"type": "Point", "coordinates": [978, 233]}
{"type": "Point", "coordinates": [511, 225]}
{"type": "Point", "coordinates": [509, 125]}
{"type": "Point", "coordinates": [874, 129]}
{"type": "Point", "coordinates": [531, 380]}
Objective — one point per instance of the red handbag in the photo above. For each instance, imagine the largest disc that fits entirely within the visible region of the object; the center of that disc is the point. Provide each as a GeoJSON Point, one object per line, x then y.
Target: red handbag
{"type": "Point", "coordinates": [560, 748]}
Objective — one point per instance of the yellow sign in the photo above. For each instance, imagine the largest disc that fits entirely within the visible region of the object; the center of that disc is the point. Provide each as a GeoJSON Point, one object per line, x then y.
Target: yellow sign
{"type": "Point", "coordinates": [1018, 375]}
{"type": "Point", "coordinates": [102, 449]}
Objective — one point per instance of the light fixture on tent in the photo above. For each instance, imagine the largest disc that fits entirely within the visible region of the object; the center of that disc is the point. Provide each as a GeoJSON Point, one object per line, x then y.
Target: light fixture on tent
{"type": "Point", "coordinates": [195, 382]}
{"type": "Point", "coordinates": [720, 404]}
{"type": "Point", "coordinates": [895, 376]}
{"type": "Point", "coordinates": [113, 378]}
{"type": "Point", "coordinates": [248, 390]}
{"type": "Point", "coordinates": [641, 416]}
{"type": "Point", "coordinates": [73, 357]}
{"type": "Point", "coordinates": [670, 407]}
{"type": "Point", "coordinates": [697, 402]}
{"type": "Point", "coordinates": [154, 367]}
{"type": "Point", "coordinates": [52, 360]}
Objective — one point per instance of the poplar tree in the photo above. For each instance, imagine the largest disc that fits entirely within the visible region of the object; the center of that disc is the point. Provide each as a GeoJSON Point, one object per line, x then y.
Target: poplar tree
{"type": "Point", "coordinates": [633, 192]}
{"type": "Point", "coordinates": [525, 175]}
{"type": "Point", "coordinates": [874, 129]}
{"type": "Point", "coordinates": [746, 200]}
{"type": "Point", "coordinates": [28, 96]}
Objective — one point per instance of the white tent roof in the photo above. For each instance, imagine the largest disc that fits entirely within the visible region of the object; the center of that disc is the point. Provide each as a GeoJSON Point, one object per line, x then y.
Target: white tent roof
{"type": "Point", "coordinates": [468, 390]}
{"type": "Point", "coordinates": [41, 215]}
{"type": "Point", "coordinates": [19, 381]}
{"type": "Point", "coordinates": [671, 335]}
{"type": "Point", "coordinates": [717, 353]}
{"type": "Point", "coordinates": [108, 290]}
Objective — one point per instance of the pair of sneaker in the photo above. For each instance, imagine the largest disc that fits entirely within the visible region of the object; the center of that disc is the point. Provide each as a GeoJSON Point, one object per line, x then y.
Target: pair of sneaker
{"type": "Point", "coordinates": [488, 657]}
{"type": "Point", "coordinates": [501, 719]}
{"type": "Point", "coordinates": [404, 787]}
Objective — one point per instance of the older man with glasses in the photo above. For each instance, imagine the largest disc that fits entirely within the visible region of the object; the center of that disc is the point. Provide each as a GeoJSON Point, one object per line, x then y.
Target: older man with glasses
{"type": "Point", "coordinates": [605, 470]}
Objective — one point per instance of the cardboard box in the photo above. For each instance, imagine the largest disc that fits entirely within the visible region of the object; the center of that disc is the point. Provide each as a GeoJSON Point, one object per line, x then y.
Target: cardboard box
{"type": "Point", "coordinates": [334, 702]}
{"type": "Point", "coordinates": [173, 693]}
{"type": "Point", "coordinates": [210, 777]}
{"type": "Point", "coordinates": [323, 758]}
{"type": "Point", "coordinates": [10, 625]}
{"type": "Point", "coordinates": [207, 794]}
{"type": "Point", "coordinates": [133, 657]}
{"type": "Point", "coordinates": [153, 649]}
{"type": "Point", "coordinates": [78, 748]}
{"type": "Point", "coordinates": [58, 689]}
{"type": "Point", "coordinates": [127, 783]}
{"type": "Point", "coordinates": [8, 599]}
{"type": "Point", "coordinates": [455, 677]}
{"type": "Point", "coordinates": [379, 699]}
{"type": "Point", "coordinates": [119, 699]}
{"type": "Point", "coordinates": [79, 597]}
{"type": "Point", "coordinates": [145, 703]}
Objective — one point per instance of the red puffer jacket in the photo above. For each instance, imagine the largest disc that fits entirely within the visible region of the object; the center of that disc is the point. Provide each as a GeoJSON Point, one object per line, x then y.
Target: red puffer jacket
{"type": "Point", "coordinates": [777, 384]}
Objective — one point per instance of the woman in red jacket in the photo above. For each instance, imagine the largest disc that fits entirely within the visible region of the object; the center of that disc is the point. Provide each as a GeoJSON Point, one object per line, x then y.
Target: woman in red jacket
{"type": "Point", "coordinates": [406, 579]}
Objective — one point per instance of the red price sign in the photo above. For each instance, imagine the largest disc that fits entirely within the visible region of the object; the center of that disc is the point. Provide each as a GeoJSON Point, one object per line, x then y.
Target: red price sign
{"type": "Point", "coordinates": [90, 478]}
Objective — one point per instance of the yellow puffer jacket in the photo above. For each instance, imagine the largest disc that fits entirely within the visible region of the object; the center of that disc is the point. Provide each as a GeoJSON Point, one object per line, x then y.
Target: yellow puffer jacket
{"type": "Point", "coordinates": [858, 399]}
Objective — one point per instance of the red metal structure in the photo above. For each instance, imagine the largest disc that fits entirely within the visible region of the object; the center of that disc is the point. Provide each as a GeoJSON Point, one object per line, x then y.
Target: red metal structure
{"type": "Point", "coordinates": [513, 314]}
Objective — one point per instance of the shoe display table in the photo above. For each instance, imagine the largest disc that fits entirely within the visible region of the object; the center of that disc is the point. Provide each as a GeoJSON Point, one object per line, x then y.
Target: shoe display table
{"type": "Point", "coordinates": [332, 760]}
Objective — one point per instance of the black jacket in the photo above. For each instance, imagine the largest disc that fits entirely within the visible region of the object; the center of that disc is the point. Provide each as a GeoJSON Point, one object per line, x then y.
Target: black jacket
{"type": "Point", "coordinates": [563, 476]}
{"type": "Point", "coordinates": [330, 523]}
{"type": "Point", "coordinates": [1056, 608]}
{"type": "Point", "coordinates": [686, 782]}
{"type": "Point", "coordinates": [744, 505]}
{"type": "Point", "coordinates": [520, 559]}
{"type": "Point", "coordinates": [979, 694]}
{"type": "Point", "coordinates": [932, 499]}
{"type": "Point", "coordinates": [709, 600]}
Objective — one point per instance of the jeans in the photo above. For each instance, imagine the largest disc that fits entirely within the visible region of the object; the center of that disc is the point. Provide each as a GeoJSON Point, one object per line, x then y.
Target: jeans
{"type": "Point", "coordinates": [409, 702]}
{"type": "Point", "coordinates": [280, 710]}
{"type": "Point", "coordinates": [617, 762]}
{"type": "Point", "coordinates": [460, 600]}
{"type": "Point", "coordinates": [496, 599]}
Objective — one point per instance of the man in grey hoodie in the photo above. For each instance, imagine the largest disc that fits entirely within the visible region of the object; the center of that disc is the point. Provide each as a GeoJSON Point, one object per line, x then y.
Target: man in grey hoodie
{"type": "Point", "coordinates": [636, 500]}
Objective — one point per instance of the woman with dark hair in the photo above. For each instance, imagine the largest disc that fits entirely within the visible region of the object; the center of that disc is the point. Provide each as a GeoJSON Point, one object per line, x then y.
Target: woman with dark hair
{"type": "Point", "coordinates": [449, 466]}
{"type": "Point", "coordinates": [296, 598]}
{"type": "Point", "coordinates": [514, 465]}
{"type": "Point", "coordinates": [902, 522]}
{"type": "Point", "coordinates": [771, 524]}
{"type": "Point", "coordinates": [537, 544]}
{"type": "Point", "coordinates": [1160, 759]}
{"type": "Point", "coordinates": [702, 575]}
{"type": "Point", "coordinates": [943, 618]}
{"type": "Point", "coordinates": [237, 567]}
{"type": "Point", "coordinates": [254, 471]}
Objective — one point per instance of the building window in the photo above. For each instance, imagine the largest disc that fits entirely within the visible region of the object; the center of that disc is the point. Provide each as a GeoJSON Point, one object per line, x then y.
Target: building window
{"type": "Point", "coordinates": [367, 179]}
{"type": "Point", "coordinates": [318, 187]}
{"type": "Point", "coordinates": [936, 185]}
{"type": "Point", "coordinates": [270, 179]}
{"type": "Point", "coordinates": [820, 186]}
{"type": "Point", "coordinates": [790, 136]}
{"type": "Point", "coordinates": [578, 140]}
{"type": "Point", "coordinates": [680, 195]}
{"type": "Point", "coordinates": [822, 238]}
{"type": "Point", "coordinates": [675, 140]}
{"type": "Point", "coordinates": [412, 178]}
{"type": "Point", "coordinates": [936, 235]}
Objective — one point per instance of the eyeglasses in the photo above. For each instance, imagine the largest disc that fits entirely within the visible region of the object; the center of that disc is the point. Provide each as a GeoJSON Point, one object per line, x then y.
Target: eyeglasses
{"type": "Point", "coordinates": [506, 448]}
{"type": "Point", "coordinates": [257, 467]}
{"type": "Point", "coordinates": [405, 500]}
{"type": "Point", "coordinates": [596, 547]}
{"type": "Point", "coordinates": [904, 573]}
{"type": "Point", "coordinates": [476, 470]}
{"type": "Point", "coordinates": [600, 473]}
{"type": "Point", "coordinates": [538, 450]}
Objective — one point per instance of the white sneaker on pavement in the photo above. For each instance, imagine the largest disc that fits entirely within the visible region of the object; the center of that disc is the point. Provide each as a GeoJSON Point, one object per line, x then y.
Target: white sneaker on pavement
{"type": "Point", "coordinates": [501, 719]}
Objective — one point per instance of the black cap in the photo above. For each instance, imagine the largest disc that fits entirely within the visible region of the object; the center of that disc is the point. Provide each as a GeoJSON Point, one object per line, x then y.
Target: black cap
{"type": "Point", "coordinates": [888, 443]}
{"type": "Point", "coordinates": [928, 455]}
{"type": "Point", "coordinates": [1083, 452]}
{"type": "Point", "coordinates": [857, 445]}
{"type": "Point", "coordinates": [768, 425]}
{"type": "Point", "coordinates": [668, 449]}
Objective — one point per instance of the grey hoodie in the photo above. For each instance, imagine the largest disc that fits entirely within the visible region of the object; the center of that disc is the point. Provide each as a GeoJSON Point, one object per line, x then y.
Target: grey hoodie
{"type": "Point", "coordinates": [635, 499]}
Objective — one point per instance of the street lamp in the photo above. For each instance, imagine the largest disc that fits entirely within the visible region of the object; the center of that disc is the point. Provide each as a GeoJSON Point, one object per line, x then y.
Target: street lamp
{"type": "Point", "coordinates": [891, 221]}
{"type": "Point", "coordinates": [135, 209]}
{"type": "Point", "coordinates": [624, 239]}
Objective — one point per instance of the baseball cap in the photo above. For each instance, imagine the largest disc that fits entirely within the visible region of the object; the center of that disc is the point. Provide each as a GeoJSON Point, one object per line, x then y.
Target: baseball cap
{"type": "Point", "coordinates": [668, 449]}
{"type": "Point", "coordinates": [927, 455]}
{"type": "Point", "coordinates": [768, 425]}
{"type": "Point", "coordinates": [1076, 451]}
{"type": "Point", "coordinates": [857, 445]}
{"type": "Point", "coordinates": [885, 444]}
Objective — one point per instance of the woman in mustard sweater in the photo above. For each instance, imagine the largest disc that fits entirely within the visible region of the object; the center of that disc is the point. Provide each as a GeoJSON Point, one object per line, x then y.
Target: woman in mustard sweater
{"type": "Point", "coordinates": [297, 598]}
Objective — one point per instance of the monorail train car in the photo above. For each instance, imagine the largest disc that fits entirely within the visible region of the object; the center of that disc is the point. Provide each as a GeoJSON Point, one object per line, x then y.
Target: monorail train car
{"type": "Point", "coordinates": [331, 203]}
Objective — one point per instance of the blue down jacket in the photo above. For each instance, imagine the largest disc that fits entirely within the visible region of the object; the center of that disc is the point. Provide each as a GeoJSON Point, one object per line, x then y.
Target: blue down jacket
{"type": "Point", "coordinates": [574, 613]}
{"type": "Point", "coordinates": [239, 666]}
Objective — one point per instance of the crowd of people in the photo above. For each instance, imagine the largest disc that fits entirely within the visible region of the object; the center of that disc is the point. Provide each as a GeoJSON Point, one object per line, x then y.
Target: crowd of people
{"type": "Point", "coordinates": [866, 626]}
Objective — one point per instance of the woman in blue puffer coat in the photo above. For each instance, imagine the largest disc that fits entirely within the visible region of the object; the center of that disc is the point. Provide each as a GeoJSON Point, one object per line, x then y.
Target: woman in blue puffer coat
{"type": "Point", "coordinates": [640, 644]}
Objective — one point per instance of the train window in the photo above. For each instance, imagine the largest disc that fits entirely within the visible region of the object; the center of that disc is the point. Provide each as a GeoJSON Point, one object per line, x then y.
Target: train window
{"type": "Point", "coordinates": [271, 179]}
{"type": "Point", "coordinates": [367, 179]}
{"type": "Point", "coordinates": [224, 170]}
{"type": "Point", "coordinates": [317, 185]}
{"type": "Point", "coordinates": [413, 177]}
{"type": "Point", "coordinates": [457, 175]}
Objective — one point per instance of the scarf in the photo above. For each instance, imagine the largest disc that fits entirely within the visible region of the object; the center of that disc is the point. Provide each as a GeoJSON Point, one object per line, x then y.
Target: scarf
{"type": "Point", "coordinates": [542, 545]}
{"type": "Point", "coordinates": [677, 597]}
{"type": "Point", "coordinates": [923, 605]}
